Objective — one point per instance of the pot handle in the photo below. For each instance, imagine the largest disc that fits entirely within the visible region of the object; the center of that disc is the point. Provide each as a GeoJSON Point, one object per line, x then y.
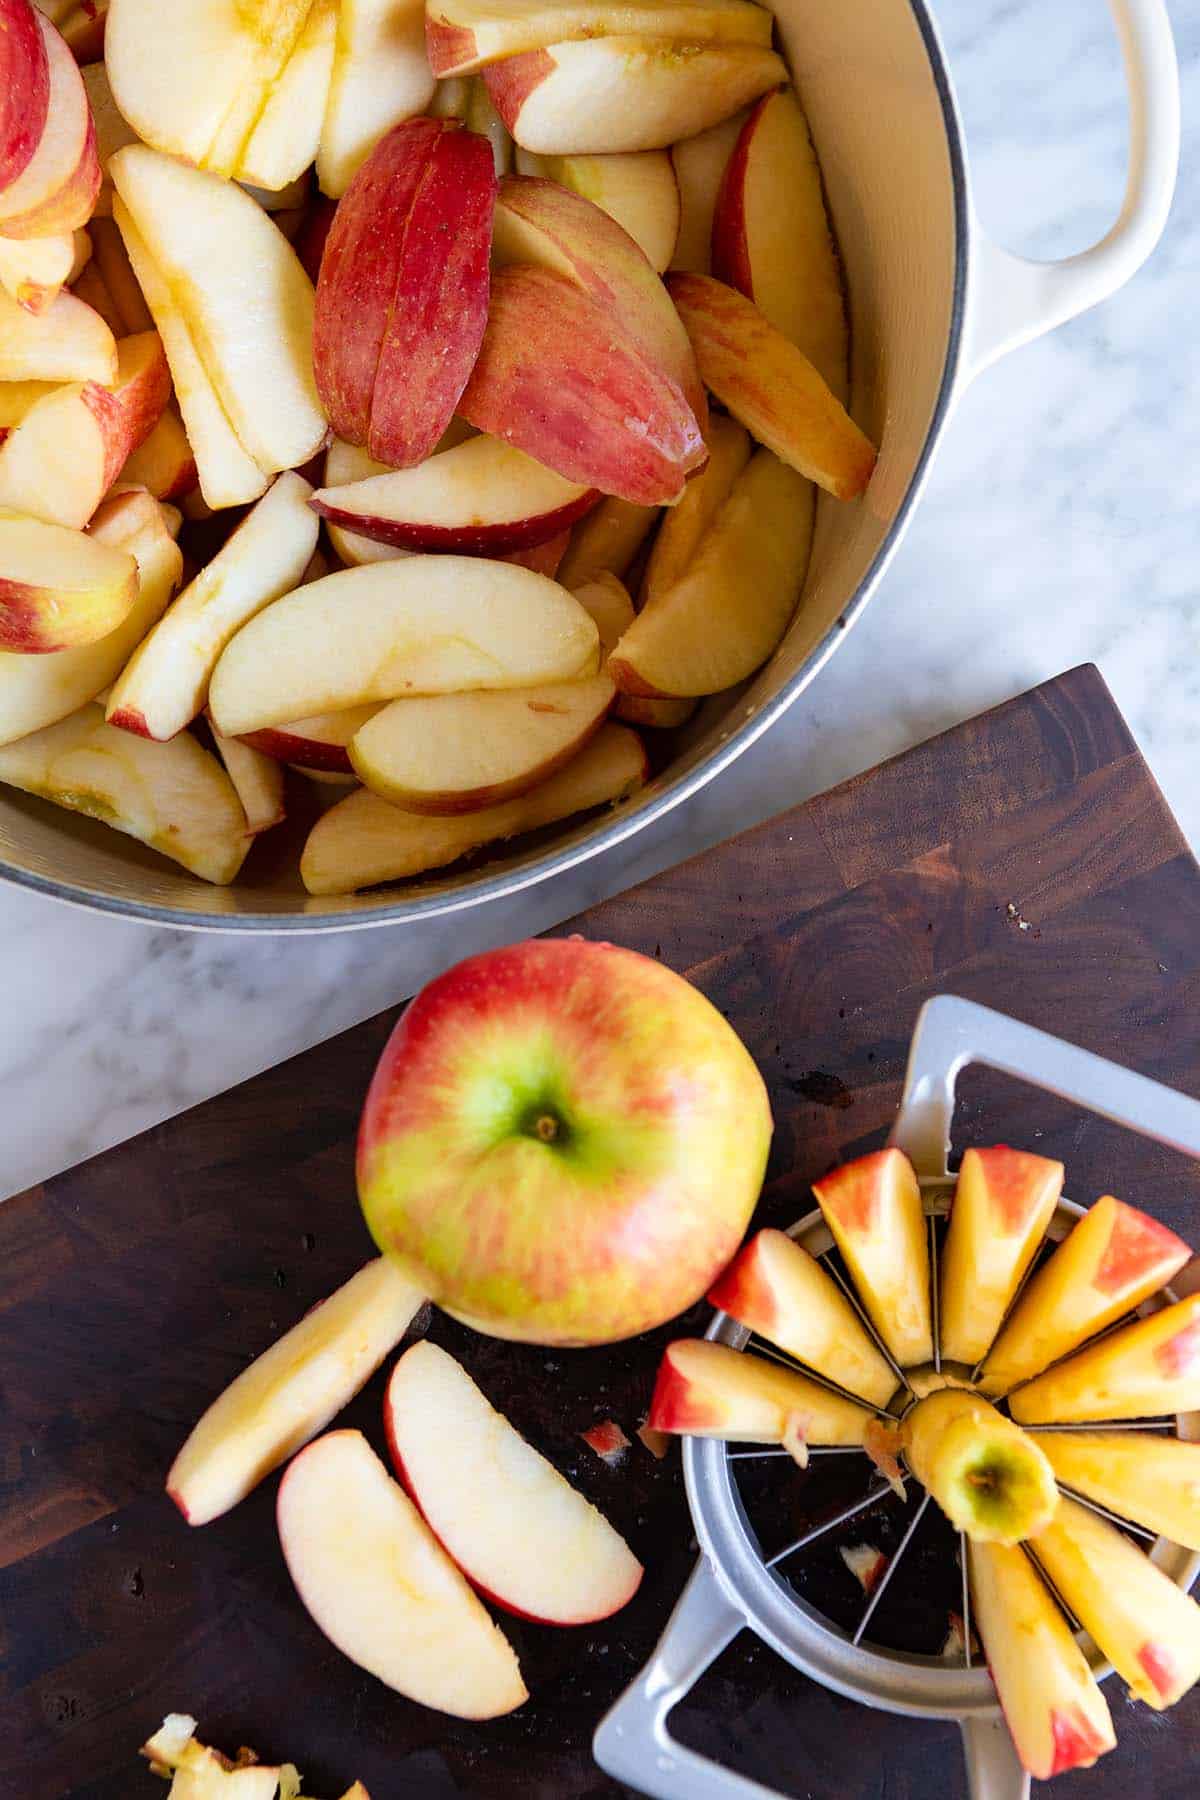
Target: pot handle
{"type": "Point", "coordinates": [1013, 300]}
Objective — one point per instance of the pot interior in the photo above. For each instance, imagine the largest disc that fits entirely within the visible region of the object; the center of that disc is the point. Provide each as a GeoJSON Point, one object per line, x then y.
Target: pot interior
{"type": "Point", "coordinates": [871, 81]}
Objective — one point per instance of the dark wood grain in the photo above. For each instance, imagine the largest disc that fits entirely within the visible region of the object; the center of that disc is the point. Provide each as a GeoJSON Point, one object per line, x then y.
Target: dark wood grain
{"type": "Point", "coordinates": [133, 1288]}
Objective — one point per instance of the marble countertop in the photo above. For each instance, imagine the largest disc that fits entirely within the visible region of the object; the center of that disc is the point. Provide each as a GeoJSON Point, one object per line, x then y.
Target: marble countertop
{"type": "Point", "coordinates": [1058, 527]}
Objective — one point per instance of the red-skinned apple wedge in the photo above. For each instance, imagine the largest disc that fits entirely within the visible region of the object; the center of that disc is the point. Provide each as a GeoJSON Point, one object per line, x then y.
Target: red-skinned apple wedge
{"type": "Point", "coordinates": [778, 1290]}
{"type": "Point", "coordinates": [1053, 1708]}
{"type": "Point", "coordinates": [472, 1475]}
{"type": "Point", "coordinates": [625, 1117]}
{"type": "Point", "coordinates": [165, 685]}
{"type": "Point", "coordinates": [174, 797]}
{"type": "Point", "coordinates": [1111, 1261]}
{"type": "Point", "coordinates": [771, 386]}
{"type": "Point", "coordinates": [639, 191]}
{"type": "Point", "coordinates": [291, 1391]}
{"type": "Point", "coordinates": [700, 163]}
{"type": "Point", "coordinates": [423, 625]}
{"type": "Point", "coordinates": [1153, 1480]}
{"type": "Point", "coordinates": [617, 94]}
{"type": "Point", "coordinates": [481, 498]}
{"type": "Point", "coordinates": [317, 743]}
{"type": "Point", "coordinates": [376, 1581]}
{"type": "Point", "coordinates": [709, 1390]}
{"type": "Point", "coordinates": [163, 464]}
{"type": "Point", "coordinates": [58, 588]}
{"type": "Point", "coordinates": [346, 464]}
{"type": "Point", "coordinates": [24, 88]}
{"type": "Point", "coordinates": [66, 342]}
{"type": "Point", "coordinates": [57, 188]}
{"type": "Point", "coordinates": [1147, 1627]}
{"type": "Point", "coordinates": [559, 378]}
{"type": "Point", "coordinates": [1003, 1203]}
{"type": "Point", "coordinates": [1143, 1370]}
{"type": "Point", "coordinates": [364, 841]}
{"type": "Point", "coordinates": [465, 35]}
{"type": "Point", "coordinates": [402, 299]}
{"type": "Point", "coordinates": [381, 76]}
{"type": "Point", "coordinates": [873, 1208]}
{"type": "Point", "coordinates": [771, 238]}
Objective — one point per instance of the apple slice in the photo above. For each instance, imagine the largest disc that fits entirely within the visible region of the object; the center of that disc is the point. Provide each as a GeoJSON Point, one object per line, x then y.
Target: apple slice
{"type": "Point", "coordinates": [542, 223]}
{"type": "Point", "coordinates": [346, 463]}
{"type": "Point", "coordinates": [772, 240]}
{"type": "Point", "coordinates": [18, 398]}
{"type": "Point", "coordinates": [63, 457]}
{"type": "Point", "coordinates": [543, 559]}
{"type": "Point", "coordinates": [24, 88]}
{"type": "Point", "coordinates": [36, 691]}
{"type": "Point", "coordinates": [657, 712]}
{"type": "Point", "coordinates": [639, 191]}
{"type": "Point", "coordinates": [163, 464]}
{"type": "Point", "coordinates": [292, 1391]}
{"type": "Point", "coordinates": [364, 840]}
{"type": "Point", "coordinates": [873, 1208]}
{"type": "Point", "coordinates": [771, 386]}
{"type": "Point", "coordinates": [174, 797]}
{"type": "Point", "coordinates": [1155, 1481]}
{"type": "Point", "coordinates": [112, 261]}
{"type": "Point", "coordinates": [700, 163]}
{"type": "Point", "coordinates": [379, 1585]}
{"type": "Point", "coordinates": [1147, 1368]}
{"type": "Point", "coordinates": [381, 76]}
{"type": "Point", "coordinates": [91, 288]}
{"type": "Point", "coordinates": [608, 602]}
{"type": "Point", "coordinates": [320, 743]}
{"type": "Point", "coordinates": [560, 379]}
{"type": "Point", "coordinates": [709, 1390]}
{"type": "Point", "coordinates": [606, 541]}
{"type": "Point", "coordinates": [228, 474]}
{"type": "Point", "coordinates": [402, 299]}
{"type": "Point", "coordinates": [245, 298]}
{"type": "Point", "coordinates": [34, 270]}
{"type": "Point", "coordinates": [202, 1773]}
{"type": "Point", "coordinates": [1052, 1704]}
{"type": "Point", "coordinates": [258, 780]}
{"type": "Point", "coordinates": [731, 606]}
{"type": "Point", "coordinates": [285, 137]}
{"type": "Point", "coordinates": [165, 684]}
{"type": "Point", "coordinates": [57, 188]}
{"type": "Point", "coordinates": [1111, 1261]}
{"type": "Point", "coordinates": [67, 342]}
{"type": "Point", "coordinates": [686, 525]}
{"type": "Point", "coordinates": [457, 753]}
{"type": "Point", "coordinates": [989, 1478]}
{"type": "Point", "coordinates": [465, 35]}
{"type": "Point", "coordinates": [482, 498]}
{"type": "Point", "coordinates": [1147, 1627]}
{"type": "Point", "coordinates": [426, 625]}
{"type": "Point", "coordinates": [278, 30]}
{"type": "Point", "coordinates": [82, 24]}
{"type": "Point", "coordinates": [777, 1289]}
{"type": "Point", "coordinates": [473, 1475]}
{"type": "Point", "coordinates": [481, 116]}
{"type": "Point", "coordinates": [612, 94]}
{"type": "Point", "coordinates": [1003, 1203]}
{"type": "Point", "coordinates": [113, 130]}
{"type": "Point", "coordinates": [59, 589]}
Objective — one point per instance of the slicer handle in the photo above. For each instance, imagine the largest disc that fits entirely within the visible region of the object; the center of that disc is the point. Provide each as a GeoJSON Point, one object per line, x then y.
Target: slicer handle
{"type": "Point", "coordinates": [632, 1742]}
{"type": "Point", "coordinates": [993, 1772]}
{"type": "Point", "coordinates": [951, 1033]}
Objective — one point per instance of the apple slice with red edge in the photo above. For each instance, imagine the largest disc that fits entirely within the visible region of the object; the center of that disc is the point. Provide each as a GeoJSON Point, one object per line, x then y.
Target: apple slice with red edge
{"type": "Point", "coordinates": [381, 76]}
{"type": "Point", "coordinates": [56, 190]}
{"type": "Point", "coordinates": [59, 589]}
{"type": "Point", "coordinates": [639, 191]}
{"type": "Point", "coordinates": [1004, 1201]}
{"type": "Point", "coordinates": [543, 559]}
{"type": "Point", "coordinates": [700, 163]}
{"type": "Point", "coordinates": [464, 35]}
{"type": "Point", "coordinates": [66, 342]}
{"type": "Point", "coordinates": [1146, 1369]}
{"type": "Point", "coordinates": [24, 88]}
{"type": "Point", "coordinates": [1152, 1480]}
{"type": "Point", "coordinates": [709, 1390]}
{"type": "Point", "coordinates": [163, 463]}
{"type": "Point", "coordinates": [320, 742]}
{"type": "Point", "coordinates": [375, 1580]}
{"type": "Point", "coordinates": [472, 1475]}
{"type": "Point", "coordinates": [873, 1208]}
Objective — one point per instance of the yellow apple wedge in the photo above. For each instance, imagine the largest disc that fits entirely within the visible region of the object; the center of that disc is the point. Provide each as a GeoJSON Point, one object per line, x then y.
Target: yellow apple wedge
{"type": "Point", "coordinates": [616, 94]}
{"type": "Point", "coordinates": [426, 625]}
{"type": "Point", "coordinates": [166, 682]}
{"type": "Point", "coordinates": [1003, 1202]}
{"type": "Point", "coordinates": [1052, 1705]}
{"type": "Point", "coordinates": [246, 299]}
{"type": "Point", "coordinates": [364, 841]}
{"type": "Point", "coordinates": [292, 1391]}
{"type": "Point", "coordinates": [778, 1290]}
{"type": "Point", "coordinates": [174, 797]}
{"type": "Point", "coordinates": [1111, 1261]}
{"type": "Point", "coordinates": [66, 342]}
{"type": "Point", "coordinates": [729, 609]}
{"type": "Point", "coordinates": [17, 398]}
{"type": "Point", "coordinates": [58, 588]}
{"type": "Point", "coordinates": [1146, 1626]}
{"type": "Point", "coordinates": [465, 35]}
{"type": "Point", "coordinates": [700, 163]}
{"type": "Point", "coordinates": [380, 75]}
{"type": "Point", "coordinates": [685, 524]}
{"type": "Point", "coordinates": [709, 1390]}
{"type": "Point", "coordinates": [34, 270]}
{"type": "Point", "coordinates": [772, 387]}
{"type": "Point", "coordinates": [1153, 1480]}
{"type": "Point", "coordinates": [1147, 1368]}
{"type": "Point", "coordinates": [284, 139]}
{"type": "Point", "coordinates": [379, 1585]}
{"type": "Point", "coordinates": [989, 1477]}
{"type": "Point", "coordinates": [164, 464]}
{"type": "Point", "coordinates": [639, 191]}
{"type": "Point", "coordinates": [258, 780]}
{"type": "Point", "coordinates": [36, 691]}
{"type": "Point", "coordinates": [873, 1208]}
{"type": "Point", "coordinates": [113, 131]}
{"type": "Point", "coordinates": [604, 542]}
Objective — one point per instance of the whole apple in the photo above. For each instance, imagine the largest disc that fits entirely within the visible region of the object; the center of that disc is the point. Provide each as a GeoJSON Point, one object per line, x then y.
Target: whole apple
{"type": "Point", "coordinates": [563, 1142]}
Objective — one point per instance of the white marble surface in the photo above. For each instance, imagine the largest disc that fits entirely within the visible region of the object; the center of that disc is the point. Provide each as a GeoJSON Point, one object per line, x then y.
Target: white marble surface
{"type": "Point", "coordinates": [1060, 525]}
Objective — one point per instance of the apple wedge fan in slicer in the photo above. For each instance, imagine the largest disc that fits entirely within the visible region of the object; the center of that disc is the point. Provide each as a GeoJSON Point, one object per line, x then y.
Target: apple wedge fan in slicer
{"type": "Point", "coordinates": [769, 1537]}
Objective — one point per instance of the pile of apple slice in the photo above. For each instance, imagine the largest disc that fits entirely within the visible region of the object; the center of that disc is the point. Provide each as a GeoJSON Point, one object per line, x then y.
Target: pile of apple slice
{"type": "Point", "coordinates": [391, 1570]}
{"type": "Point", "coordinates": [495, 259]}
{"type": "Point", "coordinates": [198, 1772]}
{"type": "Point", "coordinates": [1036, 1507]}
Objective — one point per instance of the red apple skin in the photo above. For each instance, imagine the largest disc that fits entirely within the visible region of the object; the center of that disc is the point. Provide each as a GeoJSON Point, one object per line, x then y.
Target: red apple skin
{"type": "Point", "coordinates": [313, 235]}
{"type": "Point", "coordinates": [1138, 1242]}
{"type": "Point", "coordinates": [493, 540]}
{"type": "Point", "coordinates": [73, 201]}
{"type": "Point", "coordinates": [674, 1406]}
{"type": "Point", "coordinates": [543, 559]}
{"type": "Point", "coordinates": [24, 87]}
{"type": "Point", "coordinates": [511, 81]}
{"type": "Point", "coordinates": [128, 718]}
{"type": "Point", "coordinates": [624, 1219]}
{"type": "Point", "coordinates": [1076, 1742]}
{"type": "Point", "coordinates": [304, 752]}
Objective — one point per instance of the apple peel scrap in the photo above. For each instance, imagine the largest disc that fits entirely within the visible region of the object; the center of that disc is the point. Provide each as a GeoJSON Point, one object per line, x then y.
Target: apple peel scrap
{"type": "Point", "coordinates": [197, 1772]}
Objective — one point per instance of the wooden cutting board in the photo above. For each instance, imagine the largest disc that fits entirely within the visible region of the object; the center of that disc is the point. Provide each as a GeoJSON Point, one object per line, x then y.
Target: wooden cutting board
{"type": "Point", "coordinates": [1025, 859]}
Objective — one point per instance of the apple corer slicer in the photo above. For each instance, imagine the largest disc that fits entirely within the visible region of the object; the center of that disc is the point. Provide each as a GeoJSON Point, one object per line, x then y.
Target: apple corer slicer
{"type": "Point", "coordinates": [784, 1594]}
